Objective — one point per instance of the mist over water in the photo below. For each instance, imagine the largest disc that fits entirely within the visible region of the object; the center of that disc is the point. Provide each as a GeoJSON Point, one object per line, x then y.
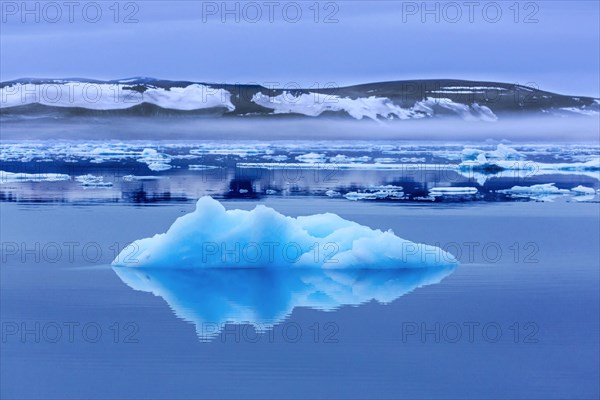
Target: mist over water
{"type": "Point", "coordinates": [517, 129]}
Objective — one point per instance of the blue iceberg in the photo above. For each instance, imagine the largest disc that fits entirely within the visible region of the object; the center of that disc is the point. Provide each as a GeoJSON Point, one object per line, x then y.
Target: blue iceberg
{"type": "Point", "coordinates": [213, 237]}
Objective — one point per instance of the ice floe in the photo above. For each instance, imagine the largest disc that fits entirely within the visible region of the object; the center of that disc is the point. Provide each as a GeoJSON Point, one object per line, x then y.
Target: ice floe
{"type": "Point", "coordinates": [133, 178]}
{"type": "Point", "coordinates": [11, 177]}
{"type": "Point", "coordinates": [583, 190]}
{"type": "Point", "coordinates": [340, 158]}
{"type": "Point", "coordinates": [387, 192]}
{"type": "Point", "coordinates": [201, 167]}
{"type": "Point", "coordinates": [332, 193]}
{"type": "Point", "coordinates": [90, 180]}
{"type": "Point", "coordinates": [311, 158]}
{"type": "Point", "coordinates": [452, 191]}
{"type": "Point", "coordinates": [549, 192]}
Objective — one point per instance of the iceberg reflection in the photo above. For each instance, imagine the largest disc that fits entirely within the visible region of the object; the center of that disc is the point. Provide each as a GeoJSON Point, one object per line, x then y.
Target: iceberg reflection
{"type": "Point", "coordinates": [265, 297]}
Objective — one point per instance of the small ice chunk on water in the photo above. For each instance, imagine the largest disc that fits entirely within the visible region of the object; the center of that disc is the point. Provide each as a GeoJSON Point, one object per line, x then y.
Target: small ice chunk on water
{"type": "Point", "coordinates": [583, 190]}
{"type": "Point", "coordinates": [90, 180]}
{"type": "Point", "coordinates": [212, 236]}
{"type": "Point", "coordinates": [455, 190]}
{"type": "Point", "coordinates": [545, 188]}
{"type": "Point", "coordinates": [389, 192]}
{"type": "Point", "coordinates": [279, 158]}
{"type": "Point", "coordinates": [385, 160]}
{"type": "Point", "coordinates": [583, 198]}
{"type": "Point", "coordinates": [360, 196]}
{"type": "Point", "coordinates": [11, 177]}
{"type": "Point", "coordinates": [311, 158]}
{"type": "Point", "coordinates": [501, 153]}
{"type": "Point", "coordinates": [340, 158]}
{"type": "Point", "coordinates": [155, 160]}
{"type": "Point", "coordinates": [157, 166]}
{"type": "Point", "coordinates": [132, 178]}
{"type": "Point", "coordinates": [201, 167]}
{"type": "Point", "coordinates": [583, 194]}
{"type": "Point", "coordinates": [541, 192]}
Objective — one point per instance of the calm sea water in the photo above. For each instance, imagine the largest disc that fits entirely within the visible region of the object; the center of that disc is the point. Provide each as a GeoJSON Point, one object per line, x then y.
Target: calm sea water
{"type": "Point", "coordinates": [519, 318]}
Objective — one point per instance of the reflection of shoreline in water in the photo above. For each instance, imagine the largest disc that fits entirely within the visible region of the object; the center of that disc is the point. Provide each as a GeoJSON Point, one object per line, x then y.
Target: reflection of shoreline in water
{"type": "Point", "coordinates": [264, 297]}
{"type": "Point", "coordinates": [159, 173]}
{"type": "Point", "coordinates": [381, 186]}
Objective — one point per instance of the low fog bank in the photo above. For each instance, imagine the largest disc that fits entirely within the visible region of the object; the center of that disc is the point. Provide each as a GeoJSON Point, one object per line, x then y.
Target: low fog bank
{"type": "Point", "coordinates": [525, 129]}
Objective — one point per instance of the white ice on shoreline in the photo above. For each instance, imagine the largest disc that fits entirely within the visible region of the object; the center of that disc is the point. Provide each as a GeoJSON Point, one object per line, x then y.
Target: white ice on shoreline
{"type": "Point", "coordinates": [11, 177]}
{"type": "Point", "coordinates": [107, 96]}
{"type": "Point", "coordinates": [315, 104]}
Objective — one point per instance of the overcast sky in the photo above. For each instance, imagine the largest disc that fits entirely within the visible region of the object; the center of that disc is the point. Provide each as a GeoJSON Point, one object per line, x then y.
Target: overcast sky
{"type": "Point", "coordinates": [551, 44]}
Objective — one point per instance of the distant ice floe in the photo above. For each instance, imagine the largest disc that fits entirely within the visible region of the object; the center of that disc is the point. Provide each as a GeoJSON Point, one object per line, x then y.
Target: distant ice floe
{"type": "Point", "coordinates": [583, 190]}
{"type": "Point", "coordinates": [335, 166]}
{"type": "Point", "coordinates": [158, 166]}
{"type": "Point", "coordinates": [201, 167]}
{"type": "Point", "coordinates": [106, 96]}
{"type": "Point", "coordinates": [133, 178]}
{"type": "Point", "coordinates": [212, 236]}
{"type": "Point", "coordinates": [527, 169]}
{"type": "Point", "coordinates": [545, 188]}
{"type": "Point", "coordinates": [549, 192]}
{"type": "Point", "coordinates": [233, 149]}
{"type": "Point", "coordinates": [12, 177]}
{"type": "Point", "coordinates": [210, 298]}
{"type": "Point", "coordinates": [502, 152]}
{"type": "Point", "coordinates": [314, 104]}
{"type": "Point", "coordinates": [504, 160]}
{"type": "Point", "coordinates": [385, 160]}
{"type": "Point", "coordinates": [92, 181]}
{"type": "Point", "coordinates": [96, 153]}
{"type": "Point", "coordinates": [379, 163]}
{"type": "Point", "coordinates": [340, 158]}
{"type": "Point", "coordinates": [387, 192]}
{"type": "Point", "coordinates": [452, 191]}
{"type": "Point", "coordinates": [155, 161]}
{"type": "Point", "coordinates": [311, 158]}
{"type": "Point", "coordinates": [583, 194]}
